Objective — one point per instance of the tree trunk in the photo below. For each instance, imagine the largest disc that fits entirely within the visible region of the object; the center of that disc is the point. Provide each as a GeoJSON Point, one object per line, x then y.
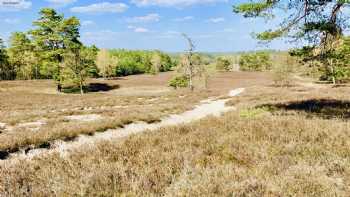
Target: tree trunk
{"type": "Point", "coordinates": [36, 72]}
{"type": "Point", "coordinates": [332, 71]}
{"type": "Point", "coordinates": [191, 83]}
{"type": "Point", "coordinates": [191, 80]}
{"type": "Point", "coordinates": [81, 86]}
{"type": "Point", "coordinates": [59, 87]}
{"type": "Point", "coordinates": [81, 89]}
{"type": "Point", "coordinates": [206, 79]}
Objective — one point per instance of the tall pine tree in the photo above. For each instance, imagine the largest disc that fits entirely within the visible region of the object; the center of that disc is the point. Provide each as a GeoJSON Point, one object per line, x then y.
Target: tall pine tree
{"type": "Point", "coordinates": [52, 37]}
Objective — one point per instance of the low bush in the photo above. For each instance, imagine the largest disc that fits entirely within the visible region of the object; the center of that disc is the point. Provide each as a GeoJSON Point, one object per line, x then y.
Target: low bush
{"type": "Point", "coordinates": [258, 61]}
{"type": "Point", "coordinates": [223, 64]}
{"type": "Point", "coordinates": [179, 82]}
{"type": "Point", "coordinates": [340, 74]}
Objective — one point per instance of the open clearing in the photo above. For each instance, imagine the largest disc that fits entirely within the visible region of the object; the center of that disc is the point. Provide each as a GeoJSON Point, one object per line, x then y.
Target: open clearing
{"type": "Point", "coordinates": [32, 119]}
{"type": "Point", "coordinates": [279, 142]}
{"type": "Point", "coordinates": [212, 107]}
{"type": "Point", "coordinates": [174, 98]}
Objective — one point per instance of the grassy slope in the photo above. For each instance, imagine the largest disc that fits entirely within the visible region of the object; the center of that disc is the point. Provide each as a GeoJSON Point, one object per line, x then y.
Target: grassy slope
{"type": "Point", "coordinates": [250, 152]}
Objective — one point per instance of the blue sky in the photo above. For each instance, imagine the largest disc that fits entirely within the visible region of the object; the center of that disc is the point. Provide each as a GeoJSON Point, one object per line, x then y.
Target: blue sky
{"type": "Point", "coordinates": [146, 24]}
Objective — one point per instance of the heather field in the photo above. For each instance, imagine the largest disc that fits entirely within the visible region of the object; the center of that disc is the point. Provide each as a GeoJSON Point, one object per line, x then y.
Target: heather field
{"type": "Point", "coordinates": [246, 98]}
{"type": "Point", "coordinates": [275, 142]}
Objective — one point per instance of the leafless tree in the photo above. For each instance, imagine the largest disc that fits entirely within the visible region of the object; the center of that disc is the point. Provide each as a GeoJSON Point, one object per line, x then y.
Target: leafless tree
{"type": "Point", "coordinates": [190, 69]}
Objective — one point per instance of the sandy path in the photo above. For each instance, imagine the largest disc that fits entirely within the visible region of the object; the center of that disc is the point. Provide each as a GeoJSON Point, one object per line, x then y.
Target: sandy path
{"type": "Point", "coordinates": [206, 108]}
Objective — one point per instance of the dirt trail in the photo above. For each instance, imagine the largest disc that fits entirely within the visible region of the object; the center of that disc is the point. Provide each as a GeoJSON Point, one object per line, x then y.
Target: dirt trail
{"type": "Point", "coordinates": [205, 108]}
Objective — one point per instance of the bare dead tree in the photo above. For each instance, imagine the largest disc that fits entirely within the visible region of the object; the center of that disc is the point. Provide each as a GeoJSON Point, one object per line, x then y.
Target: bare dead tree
{"type": "Point", "coordinates": [190, 67]}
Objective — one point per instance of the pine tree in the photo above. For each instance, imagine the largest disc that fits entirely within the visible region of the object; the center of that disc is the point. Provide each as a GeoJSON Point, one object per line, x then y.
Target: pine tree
{"type": "Point", "coordinates": [53, 36]}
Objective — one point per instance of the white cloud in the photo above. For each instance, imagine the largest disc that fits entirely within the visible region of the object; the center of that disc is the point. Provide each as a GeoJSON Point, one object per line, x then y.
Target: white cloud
{"type": "Point", "coordinates": [87, 23]}
{"type": "Point", "coordinates": [173, 33]}
{"type": "Point", "coordinates": [183, 19]}
{"type": "Point", "coordinates": [170, 34]}
{"type": "Point", "coordinates": [216, 20]}
{"type": "Point", "coordinates": [138, 29]}
{"type": "Point", "coordinates": [174, 3]}
{"type": "Point", "coordinates": [141, 30]}
{"type": "Point", "coordinates": [144, 19]}
{"type": "Point", "coordinates": [205, 36]}
{"type": "Point", "coordinates": [229, 30]}
{"type": "Point", "coordinates": [99, 36]}
{"type": "Point", "coordinates": [12, 21]}
{"type": "Point", "coordinates": [61, 2]}
{"type": "Point", "coordinates": [14, 5]}
{"type": "Point", "coordinates": [101, 8]}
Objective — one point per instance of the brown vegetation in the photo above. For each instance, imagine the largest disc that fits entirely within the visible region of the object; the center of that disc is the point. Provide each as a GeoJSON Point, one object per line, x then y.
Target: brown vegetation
{"type": "Point", "coordinates": [278, 143]}
{"type": "Point", "coordinates": [137, 98]}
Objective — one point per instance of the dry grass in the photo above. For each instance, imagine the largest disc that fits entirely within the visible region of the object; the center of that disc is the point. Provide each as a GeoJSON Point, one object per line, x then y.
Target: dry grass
{"type": "Point", "coordinates": [137, 98]}
{"type": "Point", "coordinates": [115, 111]}
{"type": "Point", "coordinates": [258, 150]}
{"type": "Point", "coordinates": [241, 156]}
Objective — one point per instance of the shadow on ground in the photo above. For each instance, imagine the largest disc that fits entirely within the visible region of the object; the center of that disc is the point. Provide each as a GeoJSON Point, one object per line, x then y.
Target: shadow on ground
{"type": "Point", "coordinates": [324, 108]}
{"type": "Point", "coordinates": [92, 87]}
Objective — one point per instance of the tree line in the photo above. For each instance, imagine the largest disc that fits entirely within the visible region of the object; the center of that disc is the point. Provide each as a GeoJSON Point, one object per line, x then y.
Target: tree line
{"type": "Point", "coordinates": [53, 50]}
{"type": "Point", "coordinates": [121, 62]}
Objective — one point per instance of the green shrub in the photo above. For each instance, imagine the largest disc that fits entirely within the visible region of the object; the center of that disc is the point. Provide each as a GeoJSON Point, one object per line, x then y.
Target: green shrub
{"type": "Point", "coordinates": [179, 82]}
{"type": "Point", "coordinates": [340, 74]}
{"type": "Point", "coordinates": [223, 64]}
{"type": "Point", "coordinates": [252, 113]}
{"type": "Point", "coordinates": [259, 61]}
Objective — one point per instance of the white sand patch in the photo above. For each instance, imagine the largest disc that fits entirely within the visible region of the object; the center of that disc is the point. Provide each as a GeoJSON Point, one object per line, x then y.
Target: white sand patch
{"type": "Point", "coordinates": [153, 99]}
{"type": "Point", "coordinates": [215, 108]}
{"type": "Point", "coordinates": [2, 125]}
{"type": "Point", "coordinates": [210, 108]}
{"type": "Point", "coordinates": [5, 127]}
{"type": "Point", "coordinates": [86, 109]}
{"type": "Point", "coordinates": [35, 124]}
{"type": "Point", "coordinates": [236, 92]}
{"type": "Point", "coordinates": [84, 118]}
{"type": "Point", "coordinates": [207, 100]}
{"type": "Point", "coordinates": [119, 106]}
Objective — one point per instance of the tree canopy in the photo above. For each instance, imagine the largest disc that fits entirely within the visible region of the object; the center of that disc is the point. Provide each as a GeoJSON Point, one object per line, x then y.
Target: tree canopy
{"type": "Point", "coordinates": [6, 72]}
{"type": "Point", "coordinates": [52, 36]}
{"type": "Point", "coordinates": [22, 56]}
{"type": "Point", "coordinates": [319, 22]}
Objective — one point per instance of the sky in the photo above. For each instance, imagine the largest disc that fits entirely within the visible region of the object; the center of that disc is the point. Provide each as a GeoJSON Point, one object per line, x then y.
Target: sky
{"type": "Point", "coordinates": [147, 24]}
